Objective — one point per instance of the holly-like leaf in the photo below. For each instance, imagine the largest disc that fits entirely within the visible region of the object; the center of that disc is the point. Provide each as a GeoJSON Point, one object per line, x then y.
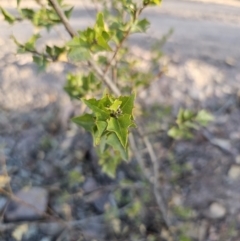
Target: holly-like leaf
{"type": "Point", "coordinates": [113, 141]}
{"type": "Point", "coordinates": [87, 121]}
{"type": "Point", "coordinates": [7, 16]}
{"type": "Point", "coordinates": [115, 106]}
{"type": "Point", "coordinates": [100, 112]}
{"type": "Point", "coordinates": [127, 104]}
{"type": "Point", "coordinates": [120, 127]}
{"type": "Point", "coordinates": [101, 127]}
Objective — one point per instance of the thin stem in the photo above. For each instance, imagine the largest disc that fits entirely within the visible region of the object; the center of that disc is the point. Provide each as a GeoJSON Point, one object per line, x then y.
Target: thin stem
{"type": "Point", "coordinates": [117, 50]}
{"type": "Point", "coordinates": [123, 40]}
{"type": "Point", "coordinates": [63, 17]}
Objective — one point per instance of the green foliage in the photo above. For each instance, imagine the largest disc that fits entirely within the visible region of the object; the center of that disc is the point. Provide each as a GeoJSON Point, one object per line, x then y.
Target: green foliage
{"type": "Point", "coordinates": [109, 124]}
{"type": "Point", "coordinates": [7, 16]}
{"type": "Point", "coordinates": [44, 17]}
{"type": "Point", "coordinates": [91, 40]}
{"type": "Point", "coordinates": [135, 209]}
{"type": "Point", "coordinates": [75, 177]}
{"type": "Point", "coordinates": [152, 2]}
{"type": "Point", "coordinates": [183, 212]}
{"type": "Point", "coordinates": [188, 121]}
{"type": "Point", "coordinates": [78, 86]}
{"type": "Point", "coordinates": [140, 26]}
{"type": "Point", "coordinates": [110, 118]}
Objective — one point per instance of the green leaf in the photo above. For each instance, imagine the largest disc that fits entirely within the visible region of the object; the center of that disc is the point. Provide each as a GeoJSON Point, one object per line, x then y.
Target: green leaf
{"type": "Point", "coordinates": [95, 105]}
{"type": "Point", "coordinates": [141, 26]}
{"type": "Point", "coordinates": [203, 117]}
{"type": "Point", "coordinates": [109, 162]}
{"type": "Point", "coordinates": [152, 2]}
{"type": "Point", "coordinates": [103, 43]}
{"type": "Point", "coordinates": [7, 16]}
{"type": "Point", "coordinates": [115, 106]}
{"type": "Point", "coordinates": [113, 141]}
{"type": "Point", "coordinates": [27, 13]}
{"type": "Point", "coordinates": [87, 121]}
{"type": "Point", "coordinates": [18, 2]}
{"type": "Point", "coordinates": [184, 115]}
{"type": "Point", "coordinates": [100, 21]}
{"type": "Point", "coordinates": [120, 127]}
{"type": "Point", "coordinates": [179, 133]}
{"type": "Point", "coordinates": [41, 62]}
{"type": "Point", "coordinates": [79, 54]}
{"type": "Point", "coordinates": [127, 104]}
{"type": "Point", "coordinates": [30, 44]}
{"type": "Point", "coordinates": [68, 12]}
{"type": "Point", "coordinates": [74, 42]}
{"type": "Point", "coordinates": [101, 127]}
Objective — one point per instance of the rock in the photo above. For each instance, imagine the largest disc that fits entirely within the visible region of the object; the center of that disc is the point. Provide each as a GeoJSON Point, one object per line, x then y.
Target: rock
{"type": "Point", "coordinates": [222, 144]}
{"type": "Point", "coordinates": [101, 202]}
{"type": "Point", "coordinates": [217, 210]}
{"type": "Point", "coordinates": [229, 61]}
{"type": "Point", "coordinates": [3, 202]}
{"type": "Point", "coordinates": [50, 229]}
{"type": "Point", "coordinates": [237, 159]}
{"type": "Point", "coordinates": [46, 239]}
{"type": "Point", "coordinates": [90, 185]}
{"type": "Point", "coordinates": [94, 229]}
{"type": "Point", "coordinates": [234, 172]}
{"type": "Point", "coordinates": [63, 210]}
{"type": "Point", "coordinates": [20, 231]}
{"type": "Point", "coordinates": [31, 232]}
{"type": "Point", "coordinates": [32, 205]}
{"type": "Point", "coordinates": [99, 199]}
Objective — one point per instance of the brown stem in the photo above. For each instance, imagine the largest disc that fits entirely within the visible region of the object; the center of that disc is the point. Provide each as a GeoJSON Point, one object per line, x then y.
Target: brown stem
{"type": "Point", "coordinates": [63, 18]}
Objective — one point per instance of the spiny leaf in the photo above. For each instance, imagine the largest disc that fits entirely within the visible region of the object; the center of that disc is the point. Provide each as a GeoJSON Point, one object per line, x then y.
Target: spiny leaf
{"type": "Point", "coordinates": [120, 127]}
{"type": "Point", "coordinates": [87, 121]}
{"type": "Point", "coordinates": [101, 127]}
{"type": "Point", "coordinates": [113, 141]}
{"type": "Point", "coordinates": [93, 104]}
{"type": "Point", "coordinates": [115, 106]}
{"type": "Point", "coordinates": [127, 104]}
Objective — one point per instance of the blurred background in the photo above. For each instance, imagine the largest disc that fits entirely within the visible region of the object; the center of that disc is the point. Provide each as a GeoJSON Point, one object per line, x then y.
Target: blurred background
{"type": "Point", "coordinates": [43, 151]}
